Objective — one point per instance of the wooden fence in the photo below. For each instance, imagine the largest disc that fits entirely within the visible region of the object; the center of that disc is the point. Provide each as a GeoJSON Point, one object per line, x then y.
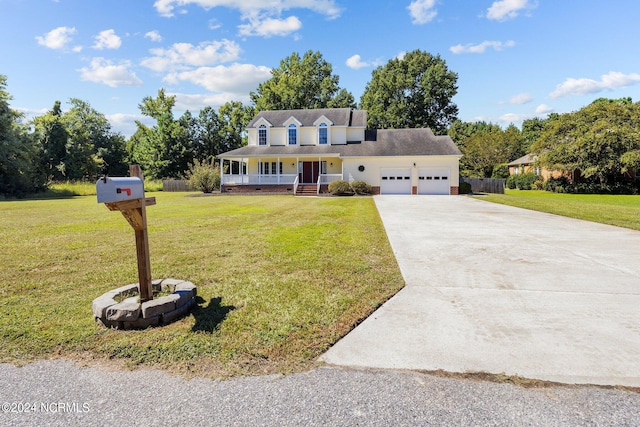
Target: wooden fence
{"type": "Point", "coordinates": [486, 185]}
{"type": "Point", "coordinates": [175, 185]}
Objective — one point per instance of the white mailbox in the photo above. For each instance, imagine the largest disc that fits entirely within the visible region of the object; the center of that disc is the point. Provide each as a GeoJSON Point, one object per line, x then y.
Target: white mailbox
{"type": "Point", "coordinates": [119, 189]}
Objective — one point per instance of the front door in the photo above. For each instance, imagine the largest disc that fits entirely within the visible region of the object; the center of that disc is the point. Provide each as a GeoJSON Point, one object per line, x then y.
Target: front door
{"type": "Point", "coordinates": [310, 172]}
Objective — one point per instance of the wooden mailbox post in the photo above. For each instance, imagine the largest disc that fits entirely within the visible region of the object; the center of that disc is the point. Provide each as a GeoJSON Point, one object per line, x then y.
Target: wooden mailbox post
{"type": "Point", "coordinates": [134, 211]}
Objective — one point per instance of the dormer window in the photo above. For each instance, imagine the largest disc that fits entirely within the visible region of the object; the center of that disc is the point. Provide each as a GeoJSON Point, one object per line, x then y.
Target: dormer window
{"type": "Point", "coordinates": [323, 134]}
{"type": "Point", "coordinates": [262, 135]}
{"type": "Point", "coordinates": [292, 134]}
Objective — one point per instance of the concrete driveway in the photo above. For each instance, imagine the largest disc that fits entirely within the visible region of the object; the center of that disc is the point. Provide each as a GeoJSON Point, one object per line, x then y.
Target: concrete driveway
{"type": "Point", "coordinates": [496, 289]}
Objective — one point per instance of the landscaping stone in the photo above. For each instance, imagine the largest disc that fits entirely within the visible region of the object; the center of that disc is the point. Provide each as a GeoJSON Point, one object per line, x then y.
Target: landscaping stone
{"type": "Point", "coordinates": [131, 314]}
{"type": "Point", "coordinates": [185, 298]}
{"type": "Point", "coordinates": [143, 323]}
{"type": "Point", "coordinates": [158, 306]}
{"type": "Point", "coordinates": [100, 305]}
{"type": "Point", "coordinates": [173, 315]}
{"type": "Point", "coordinates": [127, 310]}
{"type": "Point", "coordinates": [187, 286]}
{"type": "Point", "coordinates": [169, 285]}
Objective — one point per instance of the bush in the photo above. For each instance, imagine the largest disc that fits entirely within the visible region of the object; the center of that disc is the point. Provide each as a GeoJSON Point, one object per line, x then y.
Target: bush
{"type": "Point", "coordinates": [203, 176]}
{"type": "Point", "coordinates": [523, 181]}
{"type": "Point", "coordinates": [556, 185]}
{"type": "Point", "coordinates": [500, 171]}
{"type": "Point", "coordinates": [464, 188]}
{"type": "Point", "coordinates": [340, 187]}
{"type": "Point", "coordinates": [361, 187]}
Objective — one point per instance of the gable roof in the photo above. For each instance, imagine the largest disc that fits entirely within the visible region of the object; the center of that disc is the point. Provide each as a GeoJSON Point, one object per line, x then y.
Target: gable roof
{"type": "Point", "coordinates": [527, 159]}
{"type": "Point", "coordinates": [338, 116]}
{"type": "Point", "coordinates": [377, 143]}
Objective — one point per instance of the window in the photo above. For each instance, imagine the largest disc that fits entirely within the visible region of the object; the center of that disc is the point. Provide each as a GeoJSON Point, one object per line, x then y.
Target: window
{"type": "Point", "coordinates": [270, 168]}
{"type": "Point", "coordinates": [262, 135]}
{"type": "Point", "coordinates": [293, 134]}
{"type": "Point", "coordinates": [323, 167]}
{"type": "Point", "coordinates": [323, 134]}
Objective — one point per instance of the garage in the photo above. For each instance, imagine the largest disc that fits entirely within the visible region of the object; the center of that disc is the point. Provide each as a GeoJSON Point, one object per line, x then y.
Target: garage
{"type": "Point", "coordinates": [395, 181]}
{"type": "Point", "coordinates": [433, 181]}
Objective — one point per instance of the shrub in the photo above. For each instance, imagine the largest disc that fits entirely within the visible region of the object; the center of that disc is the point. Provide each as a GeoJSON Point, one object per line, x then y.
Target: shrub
{"type": "Point", "coordinates": [203, 176]}
{"type": "Point", "coordinates": [523, 181]}
{"type": "Point", "coordinates": [500, 171]}
{"type": "Point", "coordinates": [340, 187]}
{"type": "Point", "coordinates": [464, 188]}
{"type": "Point", "coordinates": [361, 187]}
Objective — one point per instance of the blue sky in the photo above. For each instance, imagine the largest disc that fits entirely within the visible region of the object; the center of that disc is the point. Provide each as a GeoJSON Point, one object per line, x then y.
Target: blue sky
{"type": "Point", "coordinates": [515, 59]}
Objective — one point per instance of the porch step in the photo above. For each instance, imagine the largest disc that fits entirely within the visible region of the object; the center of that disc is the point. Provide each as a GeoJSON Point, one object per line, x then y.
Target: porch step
{"type": "Point", "coordinates": [307, 190]}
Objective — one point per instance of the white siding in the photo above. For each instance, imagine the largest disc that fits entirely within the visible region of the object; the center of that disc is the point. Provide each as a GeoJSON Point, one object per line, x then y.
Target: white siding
{"type": "Point", "coordinates": [374, 165]}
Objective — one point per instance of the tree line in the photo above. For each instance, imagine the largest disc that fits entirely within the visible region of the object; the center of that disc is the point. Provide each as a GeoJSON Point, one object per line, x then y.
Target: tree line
{"type": "Point", "coordinates": [412, 91]}
{"type": "Point", "coordinates": [601, 142]}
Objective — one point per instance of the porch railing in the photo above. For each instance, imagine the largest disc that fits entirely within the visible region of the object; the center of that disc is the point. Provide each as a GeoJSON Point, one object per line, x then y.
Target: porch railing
{"type": "Point", "coordinates": [256, 179]}
{"type": "Point", "coordinates": [295, 185]}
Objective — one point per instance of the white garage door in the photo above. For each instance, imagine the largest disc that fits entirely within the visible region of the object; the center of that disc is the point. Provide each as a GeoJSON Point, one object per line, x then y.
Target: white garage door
{"type": "Point", "coordinates": [433, 181]}
{"type": "Point", "coordinates": [395, 181]}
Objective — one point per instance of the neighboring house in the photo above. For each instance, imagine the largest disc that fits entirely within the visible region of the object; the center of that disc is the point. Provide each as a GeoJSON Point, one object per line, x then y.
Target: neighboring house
{"type": "Point", "coordinates": [527, 164]}
{"type": "Point", "coordinates": [301, 151]}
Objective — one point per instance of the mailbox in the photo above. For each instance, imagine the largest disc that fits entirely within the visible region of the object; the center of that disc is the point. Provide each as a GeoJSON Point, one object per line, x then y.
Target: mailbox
{"type": "Point", "coordinates": [119, 189]}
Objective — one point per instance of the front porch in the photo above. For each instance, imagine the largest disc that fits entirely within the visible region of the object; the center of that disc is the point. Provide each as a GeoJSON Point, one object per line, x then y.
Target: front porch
{"type": "Point", "coordinates": [279, 174]}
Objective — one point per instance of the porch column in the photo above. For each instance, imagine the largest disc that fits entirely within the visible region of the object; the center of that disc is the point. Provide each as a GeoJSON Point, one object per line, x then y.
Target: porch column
{"type": "Point", "coordinates": [260, 171]}
{"type": "Point", "coordinates": [278, 169]}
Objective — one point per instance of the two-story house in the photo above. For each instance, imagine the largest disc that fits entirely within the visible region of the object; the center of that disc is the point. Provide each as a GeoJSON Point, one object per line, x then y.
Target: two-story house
{"type": "Point", "coordinates": [293, 149]}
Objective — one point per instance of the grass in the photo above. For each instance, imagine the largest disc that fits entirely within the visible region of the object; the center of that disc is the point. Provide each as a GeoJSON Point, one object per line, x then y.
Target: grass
{"type": "Point", "coordinates": [621, 211]}
{"type": "Point", "coordinates": [280, 279]}
{"type": "Point", "coordinates": [67, 189]}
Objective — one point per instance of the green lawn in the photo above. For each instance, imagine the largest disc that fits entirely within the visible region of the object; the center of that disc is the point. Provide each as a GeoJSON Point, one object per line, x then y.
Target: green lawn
{"type": "Point", "coordinates": [622, 211]}
{"type": "Point", "coordinates": [279, 278]}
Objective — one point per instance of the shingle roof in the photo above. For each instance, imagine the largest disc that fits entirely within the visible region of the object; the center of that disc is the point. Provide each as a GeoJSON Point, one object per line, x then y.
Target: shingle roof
{"type": "Point", "coordinates": [338, 116]}
{"type": "Point", "coordinates": [383, 143]}
{"type": "Point", "coordinates": [527, 159]}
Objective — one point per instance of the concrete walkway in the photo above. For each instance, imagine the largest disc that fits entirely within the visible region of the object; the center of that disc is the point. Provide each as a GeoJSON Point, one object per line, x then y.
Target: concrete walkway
{"type": "Point", "coordinates": [504, 290]}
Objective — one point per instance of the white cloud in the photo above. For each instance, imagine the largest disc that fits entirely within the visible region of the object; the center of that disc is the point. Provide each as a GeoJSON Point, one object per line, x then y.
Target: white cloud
{"type": "Point", "coordinates": [612, 80]}
{"type": "Point", "coordinates": [267, 27]}
{"type": "Point", "coordinates": [104, 71]}
{"type": "Point", "coordinates": [154, 36]}
{"type": "Point", "coordinates": [196, 102]}
{"type": "Point", "coordinates": [400, 56]}
{"type": "Point", "coordinates": [422, 11]}
{"type": "Point", "coordinates": [356, 62]}
{"type": "Point", "coordinates": [58, 38]}
{"type": "Point", "coordinates": [126, 123]}
{"type": "Point", "coordinates": [107, 39]}
{"type": "Point", "coordinates": [235, 78]}
{"type": "Point", "coordinates": [182, 55]}
{"type": "Point", "coordinates": [519, 99]}
{"type": "Point", "coordinates": [482, 47]}
{"type": "Point", "coordinates": [503, 10]}
{"type": "Point", "coordinates": [252, 7]}
{"type": "Point", "coordinates": [544, 109]}
{"type": "Point", "coordinates": [214, 24]}
{"type": "Point", "coordinates": [264, 18]}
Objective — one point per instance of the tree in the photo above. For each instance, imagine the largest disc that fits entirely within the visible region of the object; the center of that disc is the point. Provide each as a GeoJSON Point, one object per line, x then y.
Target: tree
{"type": "Point", "coordinates": [78, 144]}
{"type": "Point", "coordinates": [602, 140]}
{"type": "Point", "coordinates": [19, 171]}
{"type": "Point", "coordinates": [299, 83]}
{"type": "Point", "coordinates": [166, 149]}
{"type": "Point", "coordinates": [411, 92]}
{"type": "Point", "coordinates": [234, 118]}
{"type": "Point", "coordinates": [53, 142]}
{"type": "Point", "coordinates": [485, 147]}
